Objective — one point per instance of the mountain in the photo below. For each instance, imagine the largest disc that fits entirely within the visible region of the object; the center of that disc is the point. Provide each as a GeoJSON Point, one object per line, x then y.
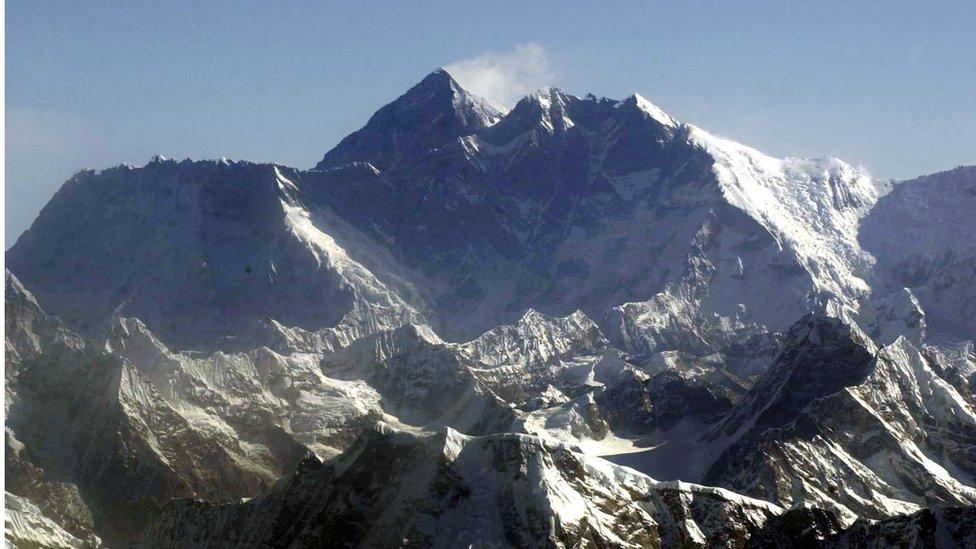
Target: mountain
{"type": "Point", "coordinates": [435, 111]}
{"type": "Point", "coordinates": [920, 235]}
{"type": "Point", "coordinates": [564, 203]}
{"type": "Point", "coordinates": [838, 423]}
{"type": "Point", "coordinates": [509, 489]}
{"type": "Point", "coordinates": [458, 308]}
{"type": "Point", "coordinates": [533, 494]}
{"type": "Point", "coordinates": [942, 528]}
{"type": "Point", "coordinates": [120, 445]}
{"type": "Point", "coordinates": [26, 526]}
{"type": "Point", "coordinates": [939, 528]}
{"type": "Point", "coordinates": [204, 253]}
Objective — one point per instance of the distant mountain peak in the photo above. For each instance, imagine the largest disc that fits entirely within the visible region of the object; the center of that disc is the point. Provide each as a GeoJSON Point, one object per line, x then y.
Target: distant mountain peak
{"type": "Point", "coordinates": [439, 72]}
{"type": "Point", "coordinates": [437, 81]}
{"type": "Point", "coordinates": [434, 111]}
{"type": "Point", "coordinates": [655, 112]}
{"type": "Point", "coordinates": [550, 93]}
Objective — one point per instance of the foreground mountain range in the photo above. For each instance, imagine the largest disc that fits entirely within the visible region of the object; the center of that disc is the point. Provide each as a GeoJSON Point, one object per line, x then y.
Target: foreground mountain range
{"type": "Point", "coordinates": [578, 323]}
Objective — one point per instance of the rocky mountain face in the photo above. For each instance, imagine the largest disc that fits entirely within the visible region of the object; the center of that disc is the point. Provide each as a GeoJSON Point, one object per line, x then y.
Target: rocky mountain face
{"type": "Point", "coordinates": [940, 527]}
{"type": "Point", "coordinates": [435, 111]}
{"type": "Point", "coordinates": [921, 237]}
{"type": "Point", "coordinates": [838, 424]}
{"type": "Point", "coordinates": [447, 489]}
{"type": "Point", "coordinates": [89, 415]}
{"type": "Point", "coordinates": [484, 328]}
{"type": "Point", "coordinates": [563, 204]}
{"type": "Point", "coordinates": [207, 254]}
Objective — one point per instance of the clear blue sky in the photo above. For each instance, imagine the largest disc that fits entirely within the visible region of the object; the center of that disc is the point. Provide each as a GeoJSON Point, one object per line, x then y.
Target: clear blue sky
{"type": "Point", "coordinates": [888, 85]}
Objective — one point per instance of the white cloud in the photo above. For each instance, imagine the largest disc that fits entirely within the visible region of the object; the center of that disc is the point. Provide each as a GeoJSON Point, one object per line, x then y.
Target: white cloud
{"type": "Point", "coordinates": [504, 78]}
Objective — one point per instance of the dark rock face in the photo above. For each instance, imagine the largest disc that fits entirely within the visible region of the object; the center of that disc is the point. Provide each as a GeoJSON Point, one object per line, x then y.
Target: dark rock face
{"type": "Point", "coordinates": [942, 528]}
{"type": "Point", "coordinates": [433, 113]}
{"type": "Point", "coordinates": [397, 489]}
{"type": "Point", "coordinates": [494, 219]}
{"type": "Point", "coordinates": [837, 423]}
{"type": "Point", "coordinates": [638, 405]}
{"type": "Point", "coordinates": [906, 230]}
{"type": "Point", "coordinates": [820, 356]}
{"type": "Point", "coordinates": [803, 527]}
{"type": "Point", "coordinates": [566, 203]}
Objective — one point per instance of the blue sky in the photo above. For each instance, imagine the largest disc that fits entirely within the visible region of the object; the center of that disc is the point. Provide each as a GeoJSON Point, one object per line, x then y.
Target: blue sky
{"type": "Point", "coordinates": [887, 85]}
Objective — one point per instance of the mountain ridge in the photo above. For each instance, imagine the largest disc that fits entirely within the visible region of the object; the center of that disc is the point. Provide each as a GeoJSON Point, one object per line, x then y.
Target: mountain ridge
{"type": "Point", "coordinates": [533, 214]}
{"type": "Point", "coordinates": [576, 279]}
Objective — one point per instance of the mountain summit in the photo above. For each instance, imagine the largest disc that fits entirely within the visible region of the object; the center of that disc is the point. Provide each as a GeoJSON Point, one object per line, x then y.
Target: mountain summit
{"type": "Point", "coordinates": [466, 218]}
{"type": "Point", "coordinates": [434, 111]}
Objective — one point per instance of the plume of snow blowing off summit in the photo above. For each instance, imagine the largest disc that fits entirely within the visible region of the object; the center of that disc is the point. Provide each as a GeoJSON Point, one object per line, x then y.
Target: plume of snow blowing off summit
{"type": "Point", "coordinates": [504, 78]}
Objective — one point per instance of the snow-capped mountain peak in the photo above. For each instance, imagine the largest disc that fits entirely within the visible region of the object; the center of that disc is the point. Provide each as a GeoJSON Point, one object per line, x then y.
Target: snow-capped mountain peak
{"type": "Point", "coordinates": [812, 207]}
{"type": "Point", "coordinates": [651, 109]}
{"type": "Point", "coordinates": [435, 111]}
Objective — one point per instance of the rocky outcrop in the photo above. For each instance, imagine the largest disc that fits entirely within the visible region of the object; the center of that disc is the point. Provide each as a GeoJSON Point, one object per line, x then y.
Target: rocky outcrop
{"type": "Point", "coordinates": [836, 423]}
{"type": "Point", "coordinates": [448, 489]}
